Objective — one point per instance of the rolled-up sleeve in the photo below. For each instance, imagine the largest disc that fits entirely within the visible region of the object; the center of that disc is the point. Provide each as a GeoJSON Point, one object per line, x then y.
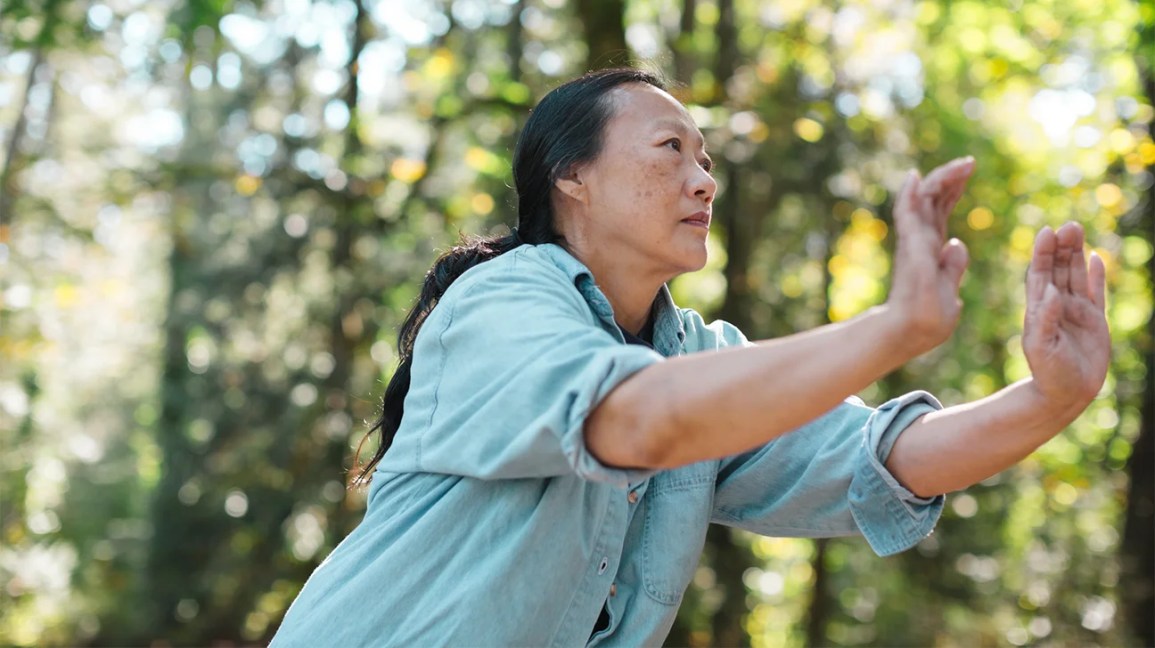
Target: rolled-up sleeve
{"type": "Point", "coordinates": [891, 517]}
{"type": "Point", "coordinates": [828, 478]}
{"type": "Point", "coordinates": [506, 370]}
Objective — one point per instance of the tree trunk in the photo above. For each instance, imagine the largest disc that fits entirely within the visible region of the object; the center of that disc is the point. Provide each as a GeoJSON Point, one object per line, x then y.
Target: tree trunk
{"type": "Point", "coordinates": [743, 232]}
{"type": "Point", "coordinates": [181, 534]}
{"type": "Point", "coordinates": [819, 612]}
{"type": "Point", "coordinates": [1138, 547]}
{"type": "Point", "coordinates": [731, 560]}
{"type": "Point", "coordinates": [514, 48]}
{"type": "Point", "coordinates": [743, 229]}
{"type": "Point", "coordinates": [12, 149]}
{"type": "Point", "coordinates": [684, 63]}
{"type": "Point", "coordinates": [346, 327]}
{"type": "Point", "coordinates": [605, 33]}
{"type": "Point", "coordinates": [726, 33]}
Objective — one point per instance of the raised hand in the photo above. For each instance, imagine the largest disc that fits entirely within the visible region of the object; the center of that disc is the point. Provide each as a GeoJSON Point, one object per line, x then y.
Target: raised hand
{"type": "Point", "coordinates": [1065, 335]}
{"type": "Point", "coordinates": [927, 267]}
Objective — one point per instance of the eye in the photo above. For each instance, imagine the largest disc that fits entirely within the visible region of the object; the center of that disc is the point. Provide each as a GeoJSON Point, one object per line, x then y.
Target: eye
{"type": "Point", "coordinates": [673, 143]}
{"type": "Point", "coordinates": [707, 164]}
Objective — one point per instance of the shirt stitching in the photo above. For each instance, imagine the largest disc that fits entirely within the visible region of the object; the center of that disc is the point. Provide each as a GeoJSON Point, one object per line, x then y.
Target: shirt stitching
{"type": "Point", "coordinates": [440, 373]}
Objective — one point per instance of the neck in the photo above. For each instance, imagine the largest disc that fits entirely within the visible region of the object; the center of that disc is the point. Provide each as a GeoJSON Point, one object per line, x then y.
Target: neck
{"type": "Point", "coordinates": [630, 290]}
{"type": "Point", "coordinates": [631, 300]}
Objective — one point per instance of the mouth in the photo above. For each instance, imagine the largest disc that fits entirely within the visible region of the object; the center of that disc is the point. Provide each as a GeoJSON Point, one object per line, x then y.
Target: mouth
{"type": "Point", "coordinates": [700, 219]}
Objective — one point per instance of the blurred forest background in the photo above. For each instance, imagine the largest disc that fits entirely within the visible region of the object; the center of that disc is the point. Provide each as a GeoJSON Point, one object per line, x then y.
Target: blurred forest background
{"type": "Point", "coordinates": [214, 214]}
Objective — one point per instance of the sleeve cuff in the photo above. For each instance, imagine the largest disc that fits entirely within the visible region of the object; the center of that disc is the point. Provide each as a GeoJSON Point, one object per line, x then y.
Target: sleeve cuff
{"type": "Point", "coordinates": [891, 518]}
{"type": "Point", "coordinates": [623, 363]}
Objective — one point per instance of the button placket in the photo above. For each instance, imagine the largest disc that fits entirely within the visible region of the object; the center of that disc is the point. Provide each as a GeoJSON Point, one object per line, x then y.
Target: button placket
{"type": "Point", "coordinates": [603, 565]}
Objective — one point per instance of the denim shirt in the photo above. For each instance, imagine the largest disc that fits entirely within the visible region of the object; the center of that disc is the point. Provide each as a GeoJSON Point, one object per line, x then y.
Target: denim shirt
{"type": "Point", "coordinates": [489, 523]}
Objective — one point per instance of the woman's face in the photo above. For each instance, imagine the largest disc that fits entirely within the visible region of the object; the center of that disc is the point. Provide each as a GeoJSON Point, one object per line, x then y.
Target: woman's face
{"type": "Point", "coordinates": [644, 204]}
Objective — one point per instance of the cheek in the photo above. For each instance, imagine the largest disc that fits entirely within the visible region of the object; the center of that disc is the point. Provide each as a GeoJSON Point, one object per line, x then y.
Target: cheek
{"type": "Point", "coordinates": [653, 178]}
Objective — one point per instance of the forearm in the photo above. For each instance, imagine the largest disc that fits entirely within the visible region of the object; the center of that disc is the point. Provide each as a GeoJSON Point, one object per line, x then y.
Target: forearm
{"type": "Point", "coordinates": [710, 405]}
{"type": "Point", "coordinates": [955, 447]}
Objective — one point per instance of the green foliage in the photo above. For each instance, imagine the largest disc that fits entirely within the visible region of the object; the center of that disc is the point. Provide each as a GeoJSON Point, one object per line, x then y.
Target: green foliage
{"type": "Point", "coordinates": [215, 217]}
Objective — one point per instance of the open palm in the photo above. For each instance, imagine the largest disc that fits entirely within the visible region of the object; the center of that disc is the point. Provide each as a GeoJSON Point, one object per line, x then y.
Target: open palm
{"type": "Point", "coordinates": [1065, 335]}
{"type": "Point", "coordinates": [927, 266]}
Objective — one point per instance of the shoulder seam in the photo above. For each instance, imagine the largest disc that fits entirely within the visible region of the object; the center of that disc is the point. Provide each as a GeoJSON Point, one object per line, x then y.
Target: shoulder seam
{"type": "Point", "coordinates": [440, 373]}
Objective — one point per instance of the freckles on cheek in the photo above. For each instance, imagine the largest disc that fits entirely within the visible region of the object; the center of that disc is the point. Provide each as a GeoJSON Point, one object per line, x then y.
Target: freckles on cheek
{"type": "Point", "coordinates": [648, 176]}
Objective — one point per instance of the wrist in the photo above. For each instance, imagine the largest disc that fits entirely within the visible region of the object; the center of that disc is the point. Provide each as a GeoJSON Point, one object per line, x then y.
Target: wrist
{"type": "Point", "coordinates": [1060, 410]}
{"type": "Point", "coordinates": [902, 335]}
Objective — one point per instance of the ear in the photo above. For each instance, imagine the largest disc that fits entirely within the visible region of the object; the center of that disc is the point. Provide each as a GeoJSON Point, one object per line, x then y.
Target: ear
{"type": "Point", "coordinates": [570, 183]}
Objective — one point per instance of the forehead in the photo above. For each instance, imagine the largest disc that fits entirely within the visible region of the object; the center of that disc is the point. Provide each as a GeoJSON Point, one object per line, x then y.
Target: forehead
{"type": "Point", "coordinates": [642, 107]}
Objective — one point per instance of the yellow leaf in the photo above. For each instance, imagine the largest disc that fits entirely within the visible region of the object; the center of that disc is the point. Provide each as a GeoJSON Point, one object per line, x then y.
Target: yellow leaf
{"type": "Point", "coordinates": [482, 203]}
{"type": "Point", "coordinates": [1108, 194]}
{"type": "Point", "coordinates": [480, 159]}
{"type": "Point", "coordinates": [440, 65]}
{"type": "Point", "coordinates": [1022, 242]}
{"type": "Point", "coordinates": [1147, 153]}
{"type": "Point", "coordinates": [808, 129]}
{"type": "Point", "coordinates": [65, 296]}
{"type": "Point", "coordinates": [247, 185]}
{"type": "Point", "coordinates": [759, 132]}
{"type": "Point", "coordinates": [1064, 494]}
{"type": "Point", "coordinates": [838, 265]}
{"type": "Point", "coordinates": [791, 285]}
{"type": "Point", "coordinates": [407, 171]}
{"type": "Point", "coordinates": [980, 218]}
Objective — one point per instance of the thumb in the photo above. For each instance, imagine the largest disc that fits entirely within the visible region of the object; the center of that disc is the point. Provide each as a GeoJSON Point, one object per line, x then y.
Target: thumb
{"type": "Point", "coordinates": [954, 259]}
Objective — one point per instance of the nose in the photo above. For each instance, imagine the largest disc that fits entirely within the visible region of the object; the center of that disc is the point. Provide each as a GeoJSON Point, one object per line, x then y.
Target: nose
{"type": "Point", "coordinates": [703, 185]}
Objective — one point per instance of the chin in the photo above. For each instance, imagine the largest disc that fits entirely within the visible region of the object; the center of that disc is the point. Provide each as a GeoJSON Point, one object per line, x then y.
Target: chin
{"type": "Point", "coordinates": [693, 260]}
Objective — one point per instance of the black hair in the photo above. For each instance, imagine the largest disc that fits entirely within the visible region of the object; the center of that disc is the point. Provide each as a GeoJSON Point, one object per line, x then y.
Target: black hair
{"type": "Point", "coordinates": [565, 129]}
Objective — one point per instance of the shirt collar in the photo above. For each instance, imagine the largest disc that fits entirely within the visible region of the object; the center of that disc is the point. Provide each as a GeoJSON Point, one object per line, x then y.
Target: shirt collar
{"type": "Point", "coordinates": [669, 333]}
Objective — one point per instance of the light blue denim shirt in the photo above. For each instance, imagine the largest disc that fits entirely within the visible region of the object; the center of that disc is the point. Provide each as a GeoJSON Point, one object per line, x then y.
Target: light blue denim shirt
{"type": "Point", "coordinates": [489, 523]}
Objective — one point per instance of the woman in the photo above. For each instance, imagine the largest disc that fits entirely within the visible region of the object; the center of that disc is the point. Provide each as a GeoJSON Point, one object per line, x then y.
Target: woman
{"type": "Point", "coordinates": [566, 439]}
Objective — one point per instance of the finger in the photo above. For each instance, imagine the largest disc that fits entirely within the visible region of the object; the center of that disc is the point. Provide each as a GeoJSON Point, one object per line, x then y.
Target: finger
{"type": "Point", "coordinates": [904, 204]}
{"type": "Point", "coordinates": [1078, 266]}
{"type": "Point", "coordinates": [946, 205]}
{"type": "Point", "coordinates": [1098, 281]}
{"type": "Point", "coordinates": [954, 196]}
{"type": "Point", "coordinates": [1066, 237]}
{"type": "Point", "coordinates": [954, 261]}
{"type": "Point", "coordinates": [1047, 315]}
{"type": "Point", "coordinates": [950, 194]}
{"type": "Point", "coordinates": [953, 187]}
{"type": "Point", "coordinates": [1039, 274]}
{"type": "Point", "coordinates": [957, 170]}
{"type": "Point", "coordinates": [955, 177]}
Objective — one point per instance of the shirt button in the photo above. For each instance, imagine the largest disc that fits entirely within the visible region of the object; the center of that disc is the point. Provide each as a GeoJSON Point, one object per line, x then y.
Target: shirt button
{"type": "Point", "coordinates": [633, 497]}
{"type": "Point", "coordinates": [613, 589]}
{"type": "Point", "coordinates": [603, 566]}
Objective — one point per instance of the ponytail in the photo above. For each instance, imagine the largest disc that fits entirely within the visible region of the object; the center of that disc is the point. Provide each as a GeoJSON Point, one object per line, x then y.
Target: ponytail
{"type": "Point", "coordinates": [444, 272]}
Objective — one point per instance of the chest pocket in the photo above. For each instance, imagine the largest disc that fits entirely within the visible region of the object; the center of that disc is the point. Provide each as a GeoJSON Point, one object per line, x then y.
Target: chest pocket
{"type": "Point", "coordinates": [677, 507]}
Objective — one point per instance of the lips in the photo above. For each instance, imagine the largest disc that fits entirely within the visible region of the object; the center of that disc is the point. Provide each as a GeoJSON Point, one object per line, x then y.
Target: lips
{"type": "Point", "coordinates": [701, 219]}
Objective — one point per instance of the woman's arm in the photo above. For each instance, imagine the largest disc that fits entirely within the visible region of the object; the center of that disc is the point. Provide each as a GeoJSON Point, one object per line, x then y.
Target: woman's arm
{"type": "Point", "coordinates": [706, 406]}
{"type": "Point", "coordinates": [1067, 345]}
{"type": "Point", "coordinates": [710, 405]}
